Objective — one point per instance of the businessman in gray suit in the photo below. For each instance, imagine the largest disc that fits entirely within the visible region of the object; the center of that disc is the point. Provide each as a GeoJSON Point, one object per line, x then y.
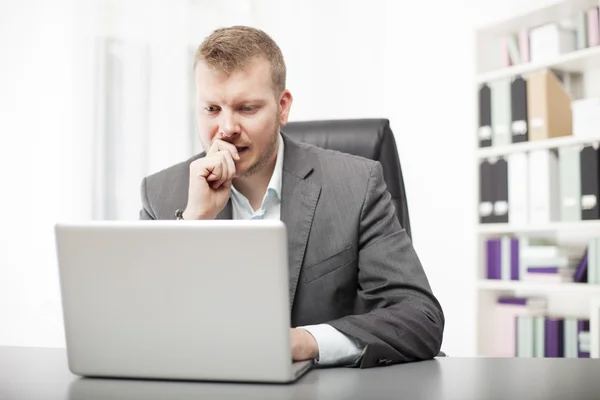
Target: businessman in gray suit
{"type": "Point", "coordinates": [358, 293]}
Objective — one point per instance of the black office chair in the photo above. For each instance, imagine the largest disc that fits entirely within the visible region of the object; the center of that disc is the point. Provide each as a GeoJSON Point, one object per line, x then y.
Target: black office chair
{"type": "Point", "coordinates": [369, 138]}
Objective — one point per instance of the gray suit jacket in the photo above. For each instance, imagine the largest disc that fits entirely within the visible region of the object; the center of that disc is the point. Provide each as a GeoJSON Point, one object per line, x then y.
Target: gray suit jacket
{"type": "Point", "coordinates": [351, 263]}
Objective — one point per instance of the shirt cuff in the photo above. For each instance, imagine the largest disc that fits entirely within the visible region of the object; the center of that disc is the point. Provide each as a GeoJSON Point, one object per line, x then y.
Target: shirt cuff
{"type": "Point", "coordinates": [335, 348]}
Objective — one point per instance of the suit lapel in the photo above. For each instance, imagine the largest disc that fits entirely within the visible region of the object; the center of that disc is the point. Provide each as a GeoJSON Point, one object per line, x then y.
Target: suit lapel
{"type": "Point", "coordinates": [299, 200]}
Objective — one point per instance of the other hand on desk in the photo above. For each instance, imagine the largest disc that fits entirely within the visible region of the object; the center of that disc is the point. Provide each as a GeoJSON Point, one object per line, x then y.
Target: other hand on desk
{"type": "Point", "coordinates": [304, 345]}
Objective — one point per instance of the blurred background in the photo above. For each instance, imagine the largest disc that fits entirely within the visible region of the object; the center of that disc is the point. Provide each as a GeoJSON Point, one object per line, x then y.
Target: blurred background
{"type": "Point", "coordinates": [97, 94]}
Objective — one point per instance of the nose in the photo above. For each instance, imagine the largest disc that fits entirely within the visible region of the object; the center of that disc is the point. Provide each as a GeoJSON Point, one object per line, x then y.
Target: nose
{"type": "Point", "coordinates": [228, 126]}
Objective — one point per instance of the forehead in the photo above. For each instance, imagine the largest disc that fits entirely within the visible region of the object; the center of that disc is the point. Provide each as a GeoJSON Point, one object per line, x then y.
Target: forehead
{"type": "Point", "coordinates": [254, 79]}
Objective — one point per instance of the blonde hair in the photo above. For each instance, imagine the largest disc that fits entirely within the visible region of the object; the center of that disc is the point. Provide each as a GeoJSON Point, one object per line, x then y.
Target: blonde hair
{"type": "Point", "coordinates": [230, 49]}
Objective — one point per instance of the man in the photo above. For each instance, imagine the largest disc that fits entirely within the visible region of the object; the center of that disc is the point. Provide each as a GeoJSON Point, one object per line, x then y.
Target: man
{"type": "Point", "coordinates": [359, 294]}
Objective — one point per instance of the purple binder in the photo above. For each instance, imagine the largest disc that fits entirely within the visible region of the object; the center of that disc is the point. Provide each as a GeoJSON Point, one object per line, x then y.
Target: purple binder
{"type": "Point", "coordinates": [580, 274]}
{"type": "Point", "coordinates": [543, 270]}
{"type": "Point", "coordinates": [494, 258]}
{"type": "Point", "coordinates": [517, 301]}
{"type": "Point", "coordinates": [554, 337]}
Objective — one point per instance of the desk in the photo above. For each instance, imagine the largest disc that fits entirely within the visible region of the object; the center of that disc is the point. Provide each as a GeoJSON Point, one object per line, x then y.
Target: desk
{"type": "Point", "coordinates": [37, 373]}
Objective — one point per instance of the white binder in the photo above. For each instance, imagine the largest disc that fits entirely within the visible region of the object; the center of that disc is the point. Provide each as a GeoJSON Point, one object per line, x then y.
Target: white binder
{"type": "Point", "coordinates": [518, 189]}
{"type": "Point", "coordinates": [544, 188]}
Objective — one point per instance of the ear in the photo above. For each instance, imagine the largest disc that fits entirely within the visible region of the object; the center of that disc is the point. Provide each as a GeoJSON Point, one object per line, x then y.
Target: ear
{"type": "Point", "coordinates": [285, 104]}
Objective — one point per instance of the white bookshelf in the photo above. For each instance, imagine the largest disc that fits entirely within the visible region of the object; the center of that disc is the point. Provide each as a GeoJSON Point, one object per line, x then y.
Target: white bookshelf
{"type": "Point", "coordinates": [578, 61]}
{"type": "Point", "coordinates": [578, 300]}
{"type": "Point", "coordinates": [536, 287]}
{"type": "Point", "coordinates": [555, 143]}
{"type": "Point", "coordinates": [558, 227]}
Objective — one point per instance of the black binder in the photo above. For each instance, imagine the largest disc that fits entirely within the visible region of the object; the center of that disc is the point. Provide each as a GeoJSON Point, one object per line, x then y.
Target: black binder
{"type": "Point", "coordinates": [589, 162]}
{"type": "Point", "coordinates": [485, 116]}
{"type": "Point", "coordinates": [518, 96]}
{"type": "Point", "coordinates": [486, 200]}
{"type": "Point", "coordinates": [500, 191]}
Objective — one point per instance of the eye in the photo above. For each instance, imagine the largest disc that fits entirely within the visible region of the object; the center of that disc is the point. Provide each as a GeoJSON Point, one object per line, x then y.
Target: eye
{"type": "Point", "coordinates": [211, 109]}
{"type": "Point", "coordinates": [247, 109]}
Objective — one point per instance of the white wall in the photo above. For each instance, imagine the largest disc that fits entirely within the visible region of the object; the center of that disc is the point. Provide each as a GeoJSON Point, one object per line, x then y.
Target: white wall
{"type": "Point", "coordinates": [36, 126]}
{"type": "Point", "coordinates": [407, 61]}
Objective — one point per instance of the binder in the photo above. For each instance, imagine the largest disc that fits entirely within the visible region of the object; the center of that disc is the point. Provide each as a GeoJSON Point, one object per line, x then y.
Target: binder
{"type": "Point", "coordinates": [500, 191]}
{"type": "Point", "coordinates": [486, 205]}
{"type": "Point", "coordinates": [593, 25]}
{"type": "Point", "coordinates": [518, 189]}
{"type": "Point", "coordinates": [543, 186]}
{"type": "Point", "coordinates": [586, 117]}
{"type": "Point", "coordinates": [570, 183]}
{"type": "Point", "coordinates": [547, 42]}
{"type": "Point", "coordinates": [501, 119]}
{"type": "Point", "coordinates": [524, 45]}
{"type": "Point", "coordinates": [513, 50]}
{"type": "Point", "coordinates": [548, 106]}
{"type": "Point", "coordinates": [518, 104]}
{"type": "Point", "coordinates": [581, 30]}
{"type": "Point", "coordinates": [485, 116]}
{"type": "Point", "coordinates": [590, 182]}
{"type": "Point", "coordinates": [554, 337]}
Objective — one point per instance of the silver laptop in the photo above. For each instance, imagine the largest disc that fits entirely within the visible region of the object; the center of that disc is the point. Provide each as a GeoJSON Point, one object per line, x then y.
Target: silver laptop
{"type": "Point", "coordinates": [193, 300]}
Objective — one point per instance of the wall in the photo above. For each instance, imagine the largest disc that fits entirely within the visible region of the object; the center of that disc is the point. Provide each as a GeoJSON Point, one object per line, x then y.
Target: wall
{"type": "Point", "coordinates": [36, 127]}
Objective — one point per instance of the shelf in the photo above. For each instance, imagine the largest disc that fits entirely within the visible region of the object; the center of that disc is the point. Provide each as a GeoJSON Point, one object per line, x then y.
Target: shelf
{"type": "Point", "coordinates": [491, 284]}
{"type": "Point", "coordinates": [576, 61]}
{"type": "Point", "coordinates": [540, 228]}
{"type": "Point", "coordinates": [533, 15]}
{"type": "Point", "coordinates": [496, 151]}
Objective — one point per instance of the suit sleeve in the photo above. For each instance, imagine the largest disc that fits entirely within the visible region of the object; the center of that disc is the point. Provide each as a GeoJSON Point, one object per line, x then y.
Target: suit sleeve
{"type": "Point", "coordinates": [400, 319]}
{"type": "Point", "coordinates": [146, 211]}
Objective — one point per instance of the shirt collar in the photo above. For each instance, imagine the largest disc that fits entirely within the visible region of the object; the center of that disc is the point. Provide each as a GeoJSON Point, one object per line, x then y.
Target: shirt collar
{"type": "Point", "coordinates": [276, 178]}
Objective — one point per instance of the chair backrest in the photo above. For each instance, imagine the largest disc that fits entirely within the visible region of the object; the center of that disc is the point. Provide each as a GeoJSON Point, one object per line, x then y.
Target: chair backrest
{"type": "Point", "coordinates": [369, 138]}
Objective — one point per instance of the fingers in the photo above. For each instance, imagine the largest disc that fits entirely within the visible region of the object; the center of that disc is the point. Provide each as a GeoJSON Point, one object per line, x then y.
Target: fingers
{"type": "Point", "coordinates": [230, 166]}
{"type": "Point", "coordinates": [214, 169]}
{"type": "Point", "coordinates": [222, 146]}
{"type": "Point", "coordinates": [223, 169]}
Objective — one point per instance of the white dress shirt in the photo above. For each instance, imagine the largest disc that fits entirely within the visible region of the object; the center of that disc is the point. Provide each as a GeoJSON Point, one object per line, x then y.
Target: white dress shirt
{"type": "Point", "coordinates": [335, 348]}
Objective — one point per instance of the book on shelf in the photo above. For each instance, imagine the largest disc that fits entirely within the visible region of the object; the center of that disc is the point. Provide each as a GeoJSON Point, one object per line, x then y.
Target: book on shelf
{"type": "Point", "coordinates": [517, 259]}
{"type": "Point", "coordinates": [522, 327]}
{"type": "Point", "coordinates": [593, 25]}
{"type": "Point", "coordinates": [547, 42]}
{"type": "Point", "coordinates": [546, 336]}
{"type": "Point", "coordinates": [504, 319]}
{"type": "Point", "coordinates": [541, 186]}
{"type": "Point", "coordinates": [593, 261]}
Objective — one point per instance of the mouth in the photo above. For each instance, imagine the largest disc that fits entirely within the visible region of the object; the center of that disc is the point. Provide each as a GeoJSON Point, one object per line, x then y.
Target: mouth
{"type": "Point", "coordinates": [241, 149]}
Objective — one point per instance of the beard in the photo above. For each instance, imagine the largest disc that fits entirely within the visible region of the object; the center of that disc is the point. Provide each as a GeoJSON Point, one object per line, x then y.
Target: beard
{"type": "Point", "coordinates": [267, 153]}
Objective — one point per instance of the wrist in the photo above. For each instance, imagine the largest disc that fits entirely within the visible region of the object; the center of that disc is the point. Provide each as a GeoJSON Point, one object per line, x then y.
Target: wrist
{"type": "Point", "coordinates": [311, 345]}
{"type": "Point", "coordinates": [191, 215]}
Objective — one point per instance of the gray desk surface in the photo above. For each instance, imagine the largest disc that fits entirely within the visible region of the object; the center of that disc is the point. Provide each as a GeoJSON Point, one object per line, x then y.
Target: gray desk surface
{"type": "Point", "coordinates": [37, 373]}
